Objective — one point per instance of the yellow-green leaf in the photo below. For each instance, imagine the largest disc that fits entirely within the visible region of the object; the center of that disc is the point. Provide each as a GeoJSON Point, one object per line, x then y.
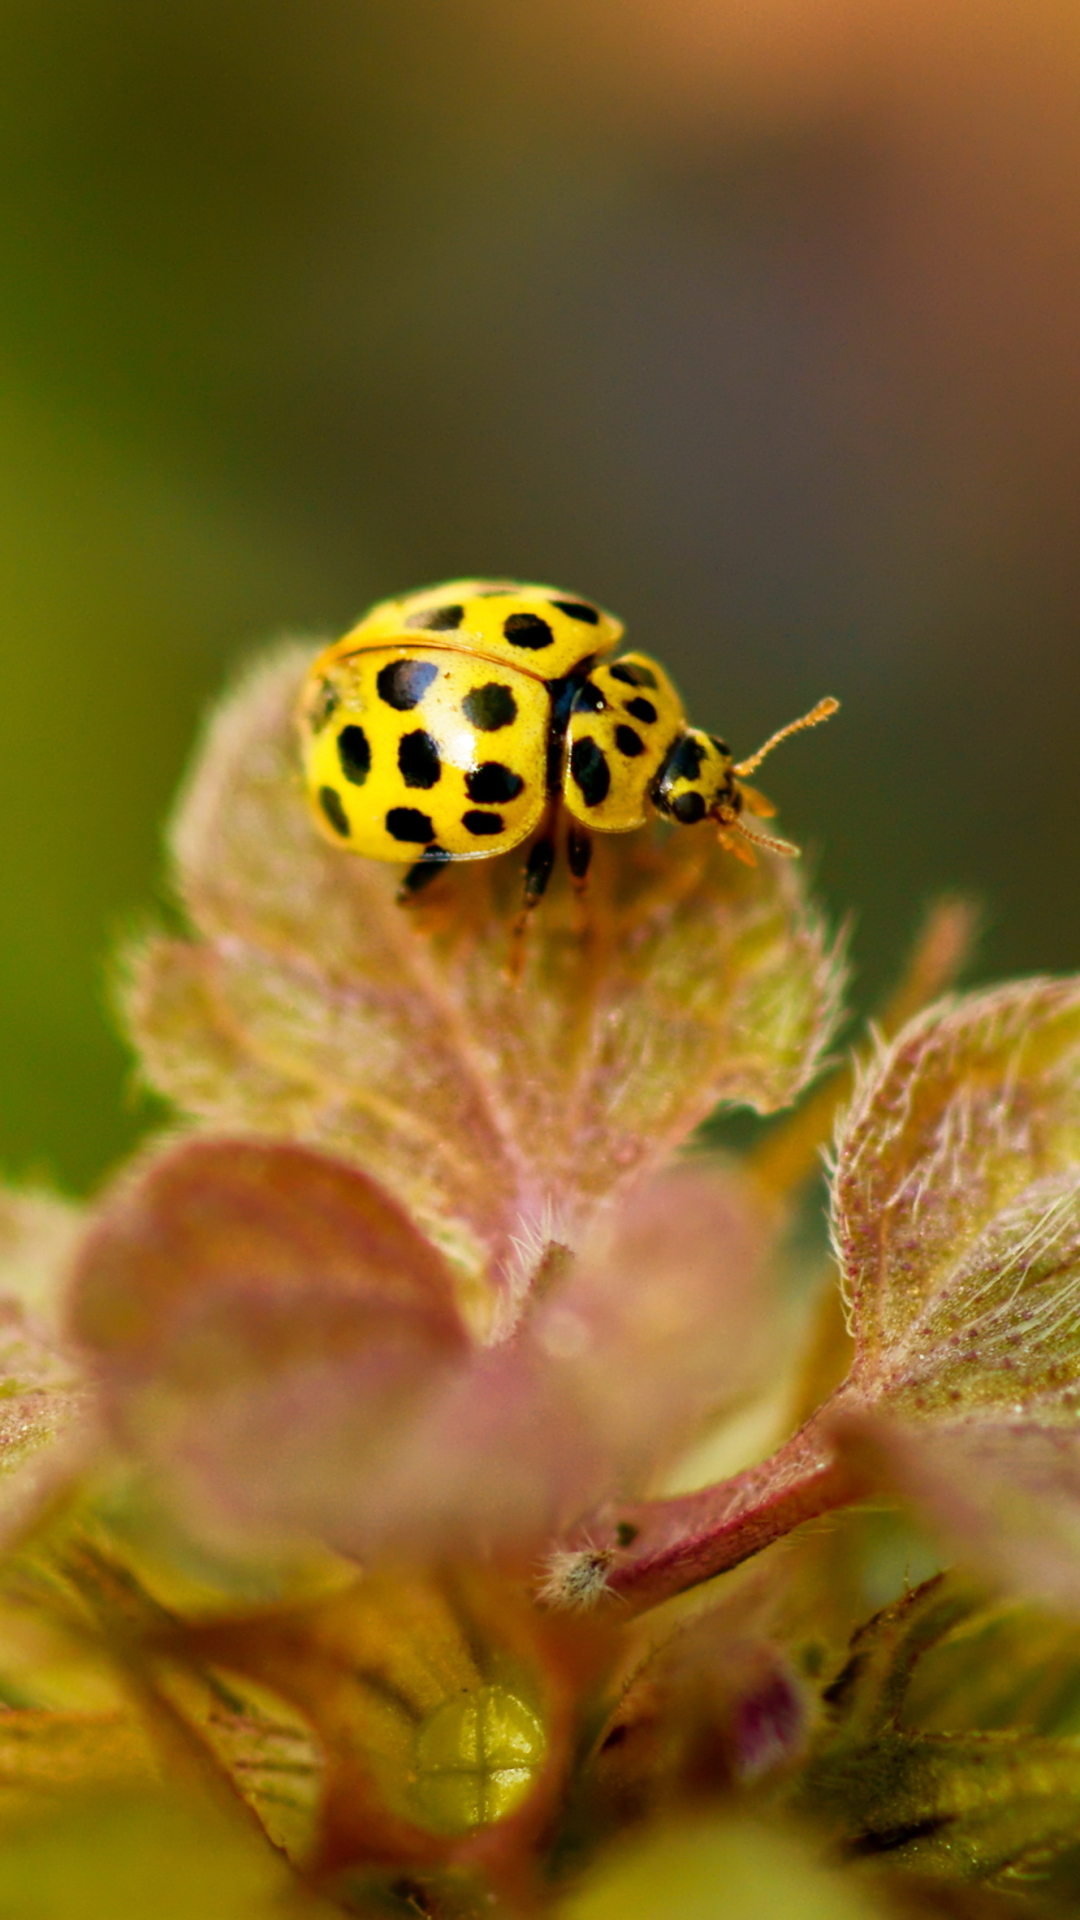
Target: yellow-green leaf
{"type": "Point", "coordinates": [122, 1855]}
{"type": "Point", "coordinates": [728, 1869]}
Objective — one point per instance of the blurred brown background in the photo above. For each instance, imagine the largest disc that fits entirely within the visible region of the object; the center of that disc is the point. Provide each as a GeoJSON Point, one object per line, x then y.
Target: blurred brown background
{"type": "Point", "coordinates": [760, 324]}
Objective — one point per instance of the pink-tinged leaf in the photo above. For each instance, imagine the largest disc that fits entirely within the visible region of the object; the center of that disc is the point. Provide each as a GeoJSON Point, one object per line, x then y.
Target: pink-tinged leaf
{"type": "Point", "coordinates": [44, 1431]}
{"type": "Point", "coordinates": [263, 1320]}
{"type": "Point", "coordinates": [957, 1174]}
{"type": "Point", "coordinates": [666, 1318]}
{"type": "Point", "coordinates": [660, 1322]}
{"type": "Point", "coordinates": [501, 1110]}
{"type": "Point", "coordinates": [958, 1222]}
{"type": "Point", "coordinates": [717, 1700]}
{"type": "Point", "coordinates": [273, 1334]}
{"type": "Point", "coordinates": [1005, 1494]}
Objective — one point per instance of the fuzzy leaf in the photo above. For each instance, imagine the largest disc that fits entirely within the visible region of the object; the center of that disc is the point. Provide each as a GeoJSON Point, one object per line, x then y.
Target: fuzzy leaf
{"type": "Point", "coordinates": [500, 1111]}
{"type": "Point", "coordinates": [956, 1195]}
{"type": "Point", "coordinates": [263, 1319]}
{"type": "Point", "coordinates": [958, 1223]}
{"type": "Point", "coordinates": [43, 1403]}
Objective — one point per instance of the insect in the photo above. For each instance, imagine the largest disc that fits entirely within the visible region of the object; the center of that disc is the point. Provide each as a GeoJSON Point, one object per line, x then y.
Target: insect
{"type": "Point", "coordinates": [453, 723]}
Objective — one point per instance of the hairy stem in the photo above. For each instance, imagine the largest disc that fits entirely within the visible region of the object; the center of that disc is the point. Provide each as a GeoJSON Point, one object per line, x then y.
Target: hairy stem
{"type": "Point", "coordinates": [657, 1548]}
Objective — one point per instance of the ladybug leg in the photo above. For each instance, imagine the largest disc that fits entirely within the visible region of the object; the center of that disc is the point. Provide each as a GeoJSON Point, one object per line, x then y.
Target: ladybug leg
{"type": "Point", "coordinates": [538, 868]}
{"type": "Point", "coordinates": [422, 874]}
{"type": "Point", "coordinates": [578, 853]}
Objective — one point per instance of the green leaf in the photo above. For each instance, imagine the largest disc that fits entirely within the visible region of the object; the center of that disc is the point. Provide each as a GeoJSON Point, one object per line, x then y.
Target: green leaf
{"type": "Point", "coordinates": [714, 1871]}
{"type": "Point", "coordinates": [265, 1746]}
{"type": "Point", "coordinates": [45, 1755]}
{"type": "Point", "coordinates": [107, 1857]}
{"type": "Point", "coordinates": [982, 1805]}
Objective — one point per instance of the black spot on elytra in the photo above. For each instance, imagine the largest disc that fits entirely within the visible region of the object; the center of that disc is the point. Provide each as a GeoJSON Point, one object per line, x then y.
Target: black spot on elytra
{"type": "Point", "coordinates": [721, 746]}
{"type": "Point", "coordinates": [322, 706]}
{"type": "Point", "coordinates": [482, 823]}
{"type": "Point", "coordinates": [493, 784]}
{"type": "Point", "coordinates": [527, 630]}
{"type": "Point", "coordinates": [578, 610]}
{"type": "Point", "coordinates": [408, 823]}
{"type": "Point", "coordinates": [629, 742]}
{"type": "Point", "coordinates": [354, 754]}
{"type": "Point", "coordinates": [632, 675]}
{"type": "Point", "coordinates": [490, 707]}
{"type": "Point", "coordinates": [403, 683]}
{"type": "Point", "coordinates": [330, 802]}
{"type": "Point", "coordinates": [437, 619]}
{"type": "Point", "coordinates": [418, 759]}
{"type": "Point", "coordinates": [590, 699]}
{"type": "Point", "coordinates": [590, 769]}
{"type": "Point", "coordinates": [688, 808]}
{"type": "Point", "coordinates": [641, 709]}
{"type": "Point", "coordinates": [684, 761]}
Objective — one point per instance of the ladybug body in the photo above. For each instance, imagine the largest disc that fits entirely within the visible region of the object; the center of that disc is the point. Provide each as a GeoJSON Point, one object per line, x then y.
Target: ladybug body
{"type": "Point", "coordinates": [453, 723]}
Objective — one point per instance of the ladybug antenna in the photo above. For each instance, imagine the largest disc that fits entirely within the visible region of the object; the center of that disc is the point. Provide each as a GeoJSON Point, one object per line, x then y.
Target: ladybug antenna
{"type": "Point", "coordinates": [812, 719]}
{"type": "Point", "coordinates": [758, 839]}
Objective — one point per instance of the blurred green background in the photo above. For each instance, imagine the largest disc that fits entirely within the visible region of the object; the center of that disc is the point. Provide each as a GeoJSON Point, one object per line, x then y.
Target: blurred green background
{"type": "Point", "coordinates": [759, 325]}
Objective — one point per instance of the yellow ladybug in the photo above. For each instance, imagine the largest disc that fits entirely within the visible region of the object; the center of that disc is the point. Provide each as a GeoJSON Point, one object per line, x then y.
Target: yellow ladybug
{"type": "Point", "coordinates": [453, 723]}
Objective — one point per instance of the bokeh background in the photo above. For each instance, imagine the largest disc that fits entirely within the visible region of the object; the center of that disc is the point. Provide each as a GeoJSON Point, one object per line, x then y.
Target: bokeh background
{"type": "Point", "coordinates": [759, 323]}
